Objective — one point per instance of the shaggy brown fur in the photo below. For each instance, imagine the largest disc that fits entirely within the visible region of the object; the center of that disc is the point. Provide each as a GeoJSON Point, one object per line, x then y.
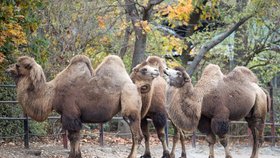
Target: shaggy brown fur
{"type": "Point", "coordinates": [80, 95]}
{"type": "Point", "coordinates": [183, 107]}
{"type": "Point", "coordinates": [230, 97]}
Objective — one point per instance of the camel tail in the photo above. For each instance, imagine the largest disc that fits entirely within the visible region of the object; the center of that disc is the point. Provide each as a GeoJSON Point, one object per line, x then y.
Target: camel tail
{"type": "Point", "coordinates": [82, 58]}
{"type": "Point", "coordinates": [268, 99]}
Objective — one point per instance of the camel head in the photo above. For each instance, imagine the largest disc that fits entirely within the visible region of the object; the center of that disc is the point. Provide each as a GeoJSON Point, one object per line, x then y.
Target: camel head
{"type": "Point", "coordinates": [143, 75]}
{"type": "Point", "coordinates": [176, 77]}
{"type": "Point", "coordinates": [26, 67]}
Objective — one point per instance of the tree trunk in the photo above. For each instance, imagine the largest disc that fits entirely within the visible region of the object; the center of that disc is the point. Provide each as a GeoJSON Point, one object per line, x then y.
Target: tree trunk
{"type": "Point", "coordinates": [241, 37]}
{"type": "Point", "coordinates": [125, 42]}
{"type": "Point", "coordinates": [139, 47]}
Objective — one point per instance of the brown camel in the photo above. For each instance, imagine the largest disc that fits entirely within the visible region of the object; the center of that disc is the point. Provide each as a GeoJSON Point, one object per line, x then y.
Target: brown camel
{"type": "Point", "coordinates": [80, 95]}
{"type": "Point", "coordinates": [148, 78]}
{"type": "Point", "coordinates": [225, 98]}
{"type": "Point", "coordinates": [182, 106]}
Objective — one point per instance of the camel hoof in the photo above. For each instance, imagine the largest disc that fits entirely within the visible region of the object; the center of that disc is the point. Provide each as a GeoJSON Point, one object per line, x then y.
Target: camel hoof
{"type": "Point", "coordinates": [211, 156]}
{"type": "Point", "coordinates": [78, 155]}
{"type": "Point", "coordinates": [183, 155]}
{"type": "Point", "coordinates": [228, 156]}
{"type": "Point", "coordinates": [172, 155]}
{"type": "Point", "coordinates": [166, 154]}
{"type": "Point", "coordinates": [145, 156]}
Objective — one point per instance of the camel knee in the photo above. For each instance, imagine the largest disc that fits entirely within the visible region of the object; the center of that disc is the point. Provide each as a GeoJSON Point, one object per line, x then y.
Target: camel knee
{"type": "Point", "coordinates": [211, 139]}
{"type": "Point", "coordinates": [73, 136]}
{"type": "Point", "coordinates": [224, 141]}
{"type": "Point", "coordinates": [71, 123]}
{"type": "Point", "coordinates": [220, 126]}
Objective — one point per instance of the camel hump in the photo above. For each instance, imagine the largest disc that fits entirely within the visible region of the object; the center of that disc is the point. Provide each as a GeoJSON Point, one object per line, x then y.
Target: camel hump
{"type": "Point", "coordinates": [112, 60]}
{"type": "Point", "coordinates": [211, 70]}
{"type": "Point", "coordinates": [241, 74]}
{"type": "Point", "coordinates": [84, 59]}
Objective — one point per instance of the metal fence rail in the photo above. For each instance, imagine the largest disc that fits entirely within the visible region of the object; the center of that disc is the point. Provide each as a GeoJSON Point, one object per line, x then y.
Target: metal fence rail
{"type": "Point", "coordinates": [26, 119]}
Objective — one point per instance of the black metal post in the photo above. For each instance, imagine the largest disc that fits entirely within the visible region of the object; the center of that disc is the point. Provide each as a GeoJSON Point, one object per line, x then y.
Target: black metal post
{"type": "Point", "coordinates": [193, 140]}
{"type": "Point", "coordinates": [64, 139]}
{"type": "Point", "coordinates": [272, 115]}
{"type": "Point", "coordinates": [26, 132]}
{"type": "Point", "coordinates": [101, 135]}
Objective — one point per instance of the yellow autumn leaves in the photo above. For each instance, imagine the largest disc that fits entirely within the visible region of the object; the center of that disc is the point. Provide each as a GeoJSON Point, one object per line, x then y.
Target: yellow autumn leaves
{"type": "Point", "coordinates": [14, 32]}
{"type": "Point", "coordinates": [180, 11]}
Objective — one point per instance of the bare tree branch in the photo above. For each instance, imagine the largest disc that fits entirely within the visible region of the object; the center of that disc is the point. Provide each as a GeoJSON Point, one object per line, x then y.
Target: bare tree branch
{"type": "Point", "coordinates": [213, 42]}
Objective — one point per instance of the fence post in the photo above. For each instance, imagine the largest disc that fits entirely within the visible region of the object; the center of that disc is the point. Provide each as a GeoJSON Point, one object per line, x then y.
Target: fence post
{"type": "Point", "coordinates": [194, 140]}
{"type": "Point", "coordinates": [101, 134]}
{"type": "Point", "coordinates": [64, 139]}
{"type": "Point", "coordinates": [26, 132]}
{"type": "Point", "coordinates": [272, 114]}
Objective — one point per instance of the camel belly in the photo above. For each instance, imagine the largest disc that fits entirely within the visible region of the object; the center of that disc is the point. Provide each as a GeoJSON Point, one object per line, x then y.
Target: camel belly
{"type": "Point", "coordinates": [102, 111]}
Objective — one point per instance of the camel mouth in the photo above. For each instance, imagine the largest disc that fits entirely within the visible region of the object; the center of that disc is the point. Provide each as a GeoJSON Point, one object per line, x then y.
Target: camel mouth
{"type": "Point", "coordinates": [155, 75]}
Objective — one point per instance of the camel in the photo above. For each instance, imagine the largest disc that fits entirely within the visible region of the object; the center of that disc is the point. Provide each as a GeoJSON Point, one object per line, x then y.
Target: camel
{"type": "Point", "coordinates": [148, 78]}
{"type": "Point", "coordinates": [80, 95]}
{"type": "Point", "coordinates": [226, 98]}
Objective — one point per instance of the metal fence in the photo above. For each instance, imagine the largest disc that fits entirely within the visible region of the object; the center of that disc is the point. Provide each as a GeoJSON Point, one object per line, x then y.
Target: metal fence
{"type": "Point", "coordinates": [271, 124]}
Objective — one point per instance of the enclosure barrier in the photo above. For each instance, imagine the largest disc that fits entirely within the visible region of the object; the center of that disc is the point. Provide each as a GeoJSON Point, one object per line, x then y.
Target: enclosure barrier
{"type": "Point", "coordinates": [101, 128]}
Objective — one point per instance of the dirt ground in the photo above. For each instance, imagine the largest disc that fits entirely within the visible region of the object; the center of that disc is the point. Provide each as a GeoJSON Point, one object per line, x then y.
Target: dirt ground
{"type": "Point", "coordinates": [116, 147]}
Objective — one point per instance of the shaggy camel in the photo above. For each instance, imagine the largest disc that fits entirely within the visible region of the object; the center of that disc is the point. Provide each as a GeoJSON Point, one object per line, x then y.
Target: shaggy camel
{"type": "Point", "coordinates": [148, 78]}
{"type": "Point", "coordinates": [225, 98]}
{"type": "Point", "coordinates": [182, 103]}
{"type": "Point", "coordinates": [80, 95]}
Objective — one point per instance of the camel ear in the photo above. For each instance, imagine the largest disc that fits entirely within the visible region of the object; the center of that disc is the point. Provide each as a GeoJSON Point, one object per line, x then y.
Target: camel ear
{"type": "Point", "coordinates": [135, 69]}
{"type": "Point", "coordinates": [187, 77]}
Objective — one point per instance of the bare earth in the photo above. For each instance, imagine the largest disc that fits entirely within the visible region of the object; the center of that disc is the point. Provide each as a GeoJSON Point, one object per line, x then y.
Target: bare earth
{"type": "Point", "coordinates": [119, 148]}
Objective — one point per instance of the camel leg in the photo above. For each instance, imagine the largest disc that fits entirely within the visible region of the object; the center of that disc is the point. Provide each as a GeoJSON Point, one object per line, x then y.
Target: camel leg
{"type": "Point", "coordinates": [224, 142]}
{"type": "Point", "coordinates": [159, 121]}
{"type": "Point", "coordinates": [145, 130]}
{"type": "Point", "coordinates": [204, 126]}
{"type": "Point", "coordinates": [182, 140]}
{"type": "Point", "coordinates": [178, 134]}
{"type": "Point", "coordinates": [175, 140]}
{"type": "Point", "coordinates": [133, 121]}
{"type": "Point", "coordinates": [256, 126]}
{"type": "Point", "coordinates": [211, 139]}
{"type": "Point", "coordinates": [130, 110]}
{"type": "Point", "coordinates": [74, 138]}
{"type": "Point", "coordinates": [220, 126]}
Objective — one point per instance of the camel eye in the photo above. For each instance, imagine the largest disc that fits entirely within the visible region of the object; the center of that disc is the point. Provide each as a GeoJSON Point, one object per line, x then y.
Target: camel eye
{"type": "Point", "coordinates": [144, 70]}
{"type": "Point", "coordinates": [179, 73]}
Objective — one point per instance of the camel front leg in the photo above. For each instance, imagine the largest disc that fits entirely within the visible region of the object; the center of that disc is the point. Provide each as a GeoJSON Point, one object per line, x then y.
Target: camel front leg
{"type": "Point", "coordinates": [211, 139]}
{"type": "Point", "coordinates": [178, 134]}
{"type": "Point", "coordinates": [175, 141]}
{"type": "Point", "coordinates": [182, 140]}
{"type": "Point", "coordinates": [133, 121]}
{"type": "Point", "coordinates": [161, 136]}
{"type": "Point", "coordinates": [145, 130]}
{"type": "Point", "coordinates": [224, 142]}
{"type": "Point", "coordinates": [74, 138]}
